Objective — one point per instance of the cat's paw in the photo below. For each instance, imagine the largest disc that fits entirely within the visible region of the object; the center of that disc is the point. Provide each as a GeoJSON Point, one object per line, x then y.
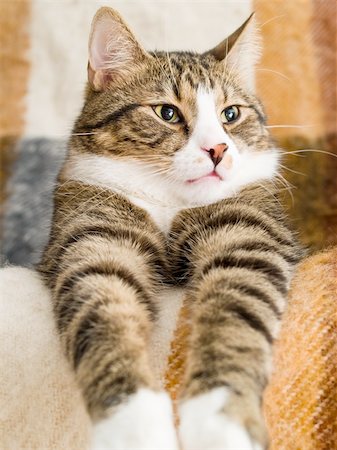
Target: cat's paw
{"type": "Point", "coordinates": [145, 422]}
{"type": "Point", "coordinates": [205, 426]}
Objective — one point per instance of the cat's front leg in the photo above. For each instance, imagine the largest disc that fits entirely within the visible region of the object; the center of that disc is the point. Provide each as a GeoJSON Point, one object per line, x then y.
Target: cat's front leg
{"type": "Point", "coordinates": [104, 278]}
{"type": "Point", "coordinates": [107, 343]}
{"type": "Point", "coordinates": [228, 365]}
{"type": "Point", "coordinates": [105, 323]}
{"type": "Point", "coordinates": [238, 262]}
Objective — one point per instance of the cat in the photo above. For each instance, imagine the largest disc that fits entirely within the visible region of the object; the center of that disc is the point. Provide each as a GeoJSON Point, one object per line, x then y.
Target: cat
{"type": "Point", "coordinates": [170, 180]}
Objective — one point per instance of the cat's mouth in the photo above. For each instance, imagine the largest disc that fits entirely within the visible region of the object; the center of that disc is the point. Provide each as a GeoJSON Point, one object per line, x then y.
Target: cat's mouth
{"type": "Point", "coordinates": [210, 176]}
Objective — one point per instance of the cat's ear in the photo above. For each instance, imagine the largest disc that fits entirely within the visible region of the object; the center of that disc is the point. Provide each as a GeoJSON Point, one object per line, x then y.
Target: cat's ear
{"type": "Point", "coordinates": [113, 49]}
{"type": "Point", "coordinates": [241, 50]}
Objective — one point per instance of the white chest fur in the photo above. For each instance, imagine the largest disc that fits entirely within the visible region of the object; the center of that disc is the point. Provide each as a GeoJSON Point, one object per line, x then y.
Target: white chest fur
{"type": "Point", "coordinates": [161, 214]}
{"type": "Point", "coordinates": [135, 181]}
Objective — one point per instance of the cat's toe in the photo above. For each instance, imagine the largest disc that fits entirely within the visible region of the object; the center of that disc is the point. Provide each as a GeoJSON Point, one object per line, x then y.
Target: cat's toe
{"type": "Point", "coordinates": [205, 426]}
{"type": "Point", "coordinates": [145, 422]}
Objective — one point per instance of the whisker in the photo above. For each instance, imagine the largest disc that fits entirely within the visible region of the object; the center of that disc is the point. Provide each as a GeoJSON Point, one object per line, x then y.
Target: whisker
{"type": "Point", "coordinates": [285, 182]}
{"type": "Point", "coordinates": [288, 186]}
{"type": "Point", "coordinates": [293, 171]}
{"type": "Point", "coordinates": [270, 20]}
{"type": "Point", "coordinates": [291, 153]}
{"type": "Point", "coordinates": [171, 70]}
{"type": "Point", "coordinates": [289, 126]}
{"type": "Point", "coordinates": [309, 150]}
{"type": "Point", "coordinates": [269, 192]}
{"type": "Point", "coordinates": [162, 68]}
{"type": "Point", "coordinates": [83, 134]}
{"type": "Point", "coordinates": [262, 69]}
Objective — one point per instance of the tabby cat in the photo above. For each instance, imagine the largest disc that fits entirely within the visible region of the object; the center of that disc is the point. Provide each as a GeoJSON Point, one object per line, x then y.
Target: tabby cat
{"type": "Point", "coordinates": [170, 181]}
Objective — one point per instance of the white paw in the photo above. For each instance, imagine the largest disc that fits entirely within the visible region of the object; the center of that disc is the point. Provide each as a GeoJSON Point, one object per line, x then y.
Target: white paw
{"type": "Point", "coordinates": [204, 427]}
{"type": "Point", "coordinates": [145, 422]}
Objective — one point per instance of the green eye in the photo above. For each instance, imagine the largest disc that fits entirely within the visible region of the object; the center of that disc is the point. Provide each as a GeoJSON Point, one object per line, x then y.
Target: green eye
{"type": "Point", "coordinates": [230, 114]}
{"type": "Point", "coordinates": [168, 113]}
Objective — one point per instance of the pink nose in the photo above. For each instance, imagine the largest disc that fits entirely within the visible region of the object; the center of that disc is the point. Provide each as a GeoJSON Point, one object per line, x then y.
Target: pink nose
{"type": "Point", "coordinates": [216, 153]}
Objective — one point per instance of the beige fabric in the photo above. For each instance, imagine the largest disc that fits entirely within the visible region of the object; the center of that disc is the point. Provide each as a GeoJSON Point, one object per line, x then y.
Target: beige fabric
{"type": "Point", "coordinates": [41, 407]}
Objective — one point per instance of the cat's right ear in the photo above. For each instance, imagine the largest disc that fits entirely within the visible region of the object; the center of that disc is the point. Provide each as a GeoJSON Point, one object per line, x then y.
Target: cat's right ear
{"type": "Point", "coordinates": [113, 49]}
{"type": "Point", "coordinates": [241, 51]}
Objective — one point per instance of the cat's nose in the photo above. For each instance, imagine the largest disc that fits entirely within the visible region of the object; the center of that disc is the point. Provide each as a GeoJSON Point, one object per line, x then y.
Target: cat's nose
{"type": "Point", "coordinates": [216, 153]}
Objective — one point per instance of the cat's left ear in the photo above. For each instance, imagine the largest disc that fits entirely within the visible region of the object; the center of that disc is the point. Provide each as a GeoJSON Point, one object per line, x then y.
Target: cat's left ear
{"type": "Point", "coordinates": [113, 50]}
{"type": "Point", "coordinates": [241, 51]}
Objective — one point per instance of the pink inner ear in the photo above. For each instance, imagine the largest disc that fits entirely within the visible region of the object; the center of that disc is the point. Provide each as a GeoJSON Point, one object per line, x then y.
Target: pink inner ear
{"type": "Point", "coordinates": [111, 46]}
{"type": "Point", "coordinates": [100, 40]}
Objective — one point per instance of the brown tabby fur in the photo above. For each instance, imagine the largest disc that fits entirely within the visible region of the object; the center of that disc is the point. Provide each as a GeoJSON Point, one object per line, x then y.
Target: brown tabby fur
{"type": "Point", "coordinates": [107, 259]}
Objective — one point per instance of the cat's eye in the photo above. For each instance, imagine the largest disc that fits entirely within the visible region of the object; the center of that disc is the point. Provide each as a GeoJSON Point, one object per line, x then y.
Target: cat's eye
{"type": "Point", "coordinates": [168, 113]}
{"type": "Point", "coordinates": [230, 114]}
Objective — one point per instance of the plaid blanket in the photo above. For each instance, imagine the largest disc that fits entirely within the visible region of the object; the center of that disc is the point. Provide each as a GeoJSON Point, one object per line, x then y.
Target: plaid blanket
{"type": "Point", "coordinates": [43, 70]}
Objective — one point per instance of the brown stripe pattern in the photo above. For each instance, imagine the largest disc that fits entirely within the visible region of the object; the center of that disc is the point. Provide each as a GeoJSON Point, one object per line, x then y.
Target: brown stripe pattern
{"type": "Point", "coordinates": [104, 264]}
{"type": "Point", "coordinates": [236, 259]}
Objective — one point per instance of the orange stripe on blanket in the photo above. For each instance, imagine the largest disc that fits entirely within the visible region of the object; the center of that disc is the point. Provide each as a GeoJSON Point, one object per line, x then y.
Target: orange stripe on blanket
{"type": "Point", "coordinates": [324, 31]}
{"type": "Point", "coordinates": [287, 80]}
{"type": "Point", "coordinates": [176, 361]}
{"type": "Point", "coordinates": [14, 44]}
{"type": "Point", "coordinates": [301, 400]}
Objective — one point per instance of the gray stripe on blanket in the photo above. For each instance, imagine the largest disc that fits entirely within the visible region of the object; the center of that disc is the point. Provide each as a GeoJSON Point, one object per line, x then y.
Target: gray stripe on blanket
{"type": "Point", "coordinates": [28, 209]}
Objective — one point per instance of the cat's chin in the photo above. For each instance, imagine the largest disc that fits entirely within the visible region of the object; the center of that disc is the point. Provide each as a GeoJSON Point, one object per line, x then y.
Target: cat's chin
{"type": "Point", "coordinates": [205, 190]}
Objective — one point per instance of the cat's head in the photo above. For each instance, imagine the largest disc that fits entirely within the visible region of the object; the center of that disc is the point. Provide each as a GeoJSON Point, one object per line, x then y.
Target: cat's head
{"type": "Point", "coordinates": [190, 119]}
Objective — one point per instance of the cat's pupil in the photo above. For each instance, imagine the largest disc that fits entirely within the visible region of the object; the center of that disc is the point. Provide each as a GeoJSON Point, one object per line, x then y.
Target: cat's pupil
{"type": "Point", "coordinates": [230, 114]}
{"type": "Point", "coordinates": [167, 112]}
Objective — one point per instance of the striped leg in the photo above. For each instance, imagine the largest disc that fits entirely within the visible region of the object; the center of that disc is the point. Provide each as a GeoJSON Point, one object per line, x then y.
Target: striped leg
{"type": "Point", "coordinates": [104, 294]}
{"type": "Point", "coordinates": [239, 261]}
{"type": "Point", "coordinates": [104, 314]}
